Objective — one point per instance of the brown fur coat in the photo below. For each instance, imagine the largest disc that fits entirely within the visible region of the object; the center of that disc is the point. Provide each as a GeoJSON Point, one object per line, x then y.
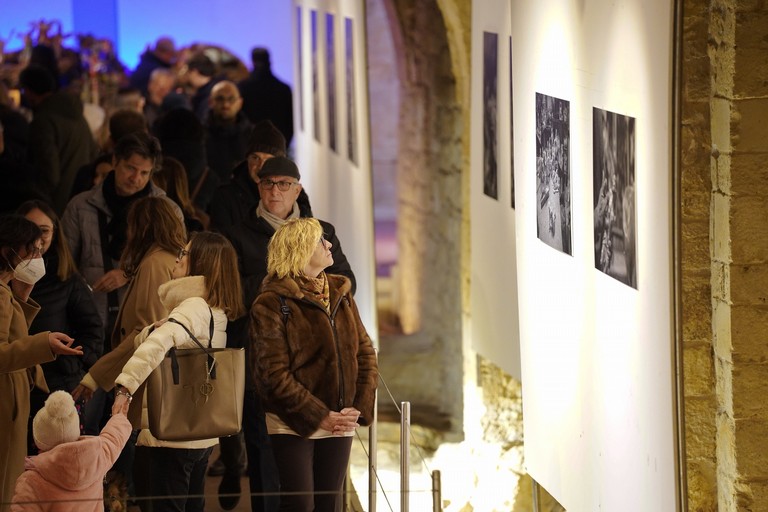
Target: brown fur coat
{"type": "Point", "coordinates": [311, 362]}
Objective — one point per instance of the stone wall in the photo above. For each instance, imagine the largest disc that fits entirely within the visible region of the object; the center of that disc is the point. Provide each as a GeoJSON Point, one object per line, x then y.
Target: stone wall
{"type": "Point", "coordinates": [696, 191]}
{"type": "Point", "coordinates": [425, 363]}
{"type": "Point", "coordinates": [724, 253]}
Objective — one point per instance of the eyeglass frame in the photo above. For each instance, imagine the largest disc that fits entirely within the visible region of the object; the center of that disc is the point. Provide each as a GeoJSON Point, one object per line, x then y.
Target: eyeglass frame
{"type": "Point", "coordinates": [282, 186]}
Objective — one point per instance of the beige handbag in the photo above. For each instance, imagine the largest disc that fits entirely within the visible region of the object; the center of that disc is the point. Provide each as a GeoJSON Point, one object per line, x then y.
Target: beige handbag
{"type": "Point", "coordinates": [197, 393]}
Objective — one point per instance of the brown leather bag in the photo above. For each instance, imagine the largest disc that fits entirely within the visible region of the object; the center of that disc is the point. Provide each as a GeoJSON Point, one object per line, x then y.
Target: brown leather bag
{"type": "Point", "coordinates": [197, 393]}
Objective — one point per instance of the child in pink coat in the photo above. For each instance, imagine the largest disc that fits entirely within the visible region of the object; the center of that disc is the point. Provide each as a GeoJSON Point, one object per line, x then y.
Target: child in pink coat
{"type": "Point", "coordinates": [68, 474]}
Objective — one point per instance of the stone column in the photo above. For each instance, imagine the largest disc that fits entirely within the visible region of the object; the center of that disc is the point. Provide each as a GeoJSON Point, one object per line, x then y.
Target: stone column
{"type": "Point", "coordinates": [724, 253]}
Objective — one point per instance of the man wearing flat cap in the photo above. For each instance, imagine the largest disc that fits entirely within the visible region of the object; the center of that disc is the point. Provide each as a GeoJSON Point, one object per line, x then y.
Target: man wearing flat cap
{"type": "Point", "coordinates": [279, 192]}
{"type": "Point", "coordinates": [279, 189]}
{"type": "Point", "coordinates": [233, 202]}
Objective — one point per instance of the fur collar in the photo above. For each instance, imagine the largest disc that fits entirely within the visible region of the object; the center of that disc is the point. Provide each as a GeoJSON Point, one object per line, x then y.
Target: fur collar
{"type": "Point", "coordinates": [288, 287]}
{"type": "Point", "coordinates": [175, 291]}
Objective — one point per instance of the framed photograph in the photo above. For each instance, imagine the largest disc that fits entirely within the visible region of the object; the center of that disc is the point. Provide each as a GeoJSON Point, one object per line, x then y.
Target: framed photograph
{"type": "Point", "coordinates": [553, 173]}
{"type": "Point", "coordinates": [511, 130]}
{"type": "Point", "coordinates": [490, 114]}
{"type": "Point", "coordinates": [351, 96]}
{"type": "Point", "coordinates": [330, 50]}
{"type": "Point", "coordinates": [315, 77]}
{"type": "Point", "coordinates": [613, 160]}
{"type": "Point", "coordinates": [300, 63]}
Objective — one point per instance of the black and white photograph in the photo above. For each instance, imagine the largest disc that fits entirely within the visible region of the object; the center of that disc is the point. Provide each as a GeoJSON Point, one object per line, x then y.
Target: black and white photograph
{"type": "Point", "coordinates": [613, 142]}
{"type": "Point", "coordinates": [490, 114]}
{"type": "Point", "coordinates": [330, 50]}
{"type": "Point", "coordinates": [300, 63]}
{"type": "Point", "coordinates": [511, 129]}
{"type": "Point", "coordinates": [315, 77]}
{"type": "Point", "coordinates": [553, 173]}
{"type": "Point", "coordinates": [351, 97]}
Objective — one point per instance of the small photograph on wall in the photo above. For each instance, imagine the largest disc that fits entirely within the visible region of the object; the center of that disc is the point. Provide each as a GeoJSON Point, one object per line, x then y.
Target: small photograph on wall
{"type": "Point", "coordinates": [490, 114]}
{"type": "Point", "coordinates": [330, 50]}
{"type": "Point", "coordinates": [315, 77]}
{"type": "Point", "coordinates": [553, 173]}
{"type": "Point", "coordinates": [511, 130]}
{"type": "Point", "coordinates": [613, 142]}
{"type": "Point", "coordinates": [351, 98]}
{"type": "Point", "coordinates": [299, 88]}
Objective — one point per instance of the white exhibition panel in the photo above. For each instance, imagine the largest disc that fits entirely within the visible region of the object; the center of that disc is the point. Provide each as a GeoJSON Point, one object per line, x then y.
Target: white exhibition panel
{"type": "Point", "coordinates": [493, 323]}
{"type": "Point", "coordinates": [595, 354]}
{"type": "Point", "coordinates": [339, 189]}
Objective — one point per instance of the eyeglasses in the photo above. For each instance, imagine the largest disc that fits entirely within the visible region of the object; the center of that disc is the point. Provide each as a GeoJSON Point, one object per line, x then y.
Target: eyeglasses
{"type": "Point", "coordinates": [225, 99]}
{"type": "Point", "coordinates": [182, 253]}
{"type": "Point", "coordinates": [321, 241]}
{"type": "Point", "coordinates": [282, 186]}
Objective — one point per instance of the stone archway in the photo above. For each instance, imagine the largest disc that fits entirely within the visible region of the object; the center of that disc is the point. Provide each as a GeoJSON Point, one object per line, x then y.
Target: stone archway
{"type": "Point", "coordinates": [424, 364]}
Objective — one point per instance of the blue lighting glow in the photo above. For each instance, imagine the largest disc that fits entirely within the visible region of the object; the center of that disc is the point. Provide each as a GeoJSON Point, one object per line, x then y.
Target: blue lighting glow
{"type": "Point", "coordinates": [236, 25]}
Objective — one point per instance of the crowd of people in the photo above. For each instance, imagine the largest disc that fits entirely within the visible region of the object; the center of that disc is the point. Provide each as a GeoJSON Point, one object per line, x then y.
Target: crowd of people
{"type": "Point", "coordinates": [178, 202]}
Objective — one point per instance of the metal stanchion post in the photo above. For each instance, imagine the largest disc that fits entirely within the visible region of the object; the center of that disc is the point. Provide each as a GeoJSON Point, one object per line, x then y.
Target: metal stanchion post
{"type": "Point", "coordinates": [437, 492]}
{"type": "Point", "coordinates": [535, 490]}
{"type": "Point", "coordinates": [372, 458]}
{"type": "Point", "coordinates": [405, 445]}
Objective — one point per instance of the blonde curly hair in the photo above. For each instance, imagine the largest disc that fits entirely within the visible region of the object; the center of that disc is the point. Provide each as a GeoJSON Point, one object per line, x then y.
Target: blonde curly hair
{"type": "Point", "coordinates": [291, 247]}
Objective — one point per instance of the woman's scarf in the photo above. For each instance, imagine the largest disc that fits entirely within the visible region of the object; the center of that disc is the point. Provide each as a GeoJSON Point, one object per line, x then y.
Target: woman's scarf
{"type": "Point", "coordinates": [316, 288]}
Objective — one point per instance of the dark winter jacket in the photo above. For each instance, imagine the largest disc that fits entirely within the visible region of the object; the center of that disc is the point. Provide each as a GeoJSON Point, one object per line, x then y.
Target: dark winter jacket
{"type": "Point", "coordinates": [67, 306]}
{"type": "Point", "coordinates": [250, 240]}
{"type": "Point", "coordinates": [182, 136]}
{"type": "Point", "coordinates": [232, 203]}
{"type": "Point", "coordinates": [60, 142]}
{"type": "Point", "coordinates": [266, 97]}
{"type": "Point", "coordinates": [199, 100]}
{"type": "Point", "coordinates": [310, 362]}
{"type": "Point", "coordinates": [149, 62]}
{"type": "Point", "coordinates": [226, 144]}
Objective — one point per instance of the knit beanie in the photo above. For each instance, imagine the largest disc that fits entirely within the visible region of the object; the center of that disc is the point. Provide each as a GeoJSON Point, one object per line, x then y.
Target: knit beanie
{"type": "Point", "coordinates": [57, 422]}
{"type": "Point", "coordinates": [266, 138]}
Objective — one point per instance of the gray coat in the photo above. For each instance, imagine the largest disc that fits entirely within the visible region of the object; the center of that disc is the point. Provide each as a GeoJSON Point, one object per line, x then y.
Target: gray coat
{"type": "Point", "coordinates": [81, 226]}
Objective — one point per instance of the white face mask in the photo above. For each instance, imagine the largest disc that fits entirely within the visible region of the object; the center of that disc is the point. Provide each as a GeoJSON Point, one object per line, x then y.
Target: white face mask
{"type": "Point", "coordinates": [29, 271]}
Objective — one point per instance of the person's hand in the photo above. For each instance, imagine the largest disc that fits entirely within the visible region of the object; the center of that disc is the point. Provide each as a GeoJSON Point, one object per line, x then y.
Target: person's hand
{"type": "Point", "coordinates": [82, 392]}
{"type": "Point", "coordinates": [61, 345]}
{"type": "Point", "coordinates": [21, 289]}
{"type": "Point", "coordinates": [339, 423]}
{"type": "Point", "coordinates": [122, 402]}
{"type": "Point", "coordinates": [351, 414]}
{"type": "Point", "coordinates": [110, 281]}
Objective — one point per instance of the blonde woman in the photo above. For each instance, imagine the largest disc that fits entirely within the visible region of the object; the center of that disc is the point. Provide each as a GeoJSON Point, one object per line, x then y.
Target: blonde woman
{"type": "Point", "coordinates": [314, 366]}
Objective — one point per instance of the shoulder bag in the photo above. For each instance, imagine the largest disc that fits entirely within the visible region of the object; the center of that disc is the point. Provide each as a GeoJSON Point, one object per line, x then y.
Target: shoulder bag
{"type": "Point", "coordinates": [197, 393]}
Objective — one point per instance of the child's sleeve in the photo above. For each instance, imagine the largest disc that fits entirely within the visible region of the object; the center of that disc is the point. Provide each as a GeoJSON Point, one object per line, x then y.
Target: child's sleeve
{"type": "Point", "coordinates": [113, 437]}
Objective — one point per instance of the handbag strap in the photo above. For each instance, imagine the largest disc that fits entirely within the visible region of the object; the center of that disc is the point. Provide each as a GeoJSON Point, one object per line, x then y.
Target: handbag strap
{"type": "Point", "coordinates": [284, 309]}
{"type": "Point", "coordinates": [211, 361]}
